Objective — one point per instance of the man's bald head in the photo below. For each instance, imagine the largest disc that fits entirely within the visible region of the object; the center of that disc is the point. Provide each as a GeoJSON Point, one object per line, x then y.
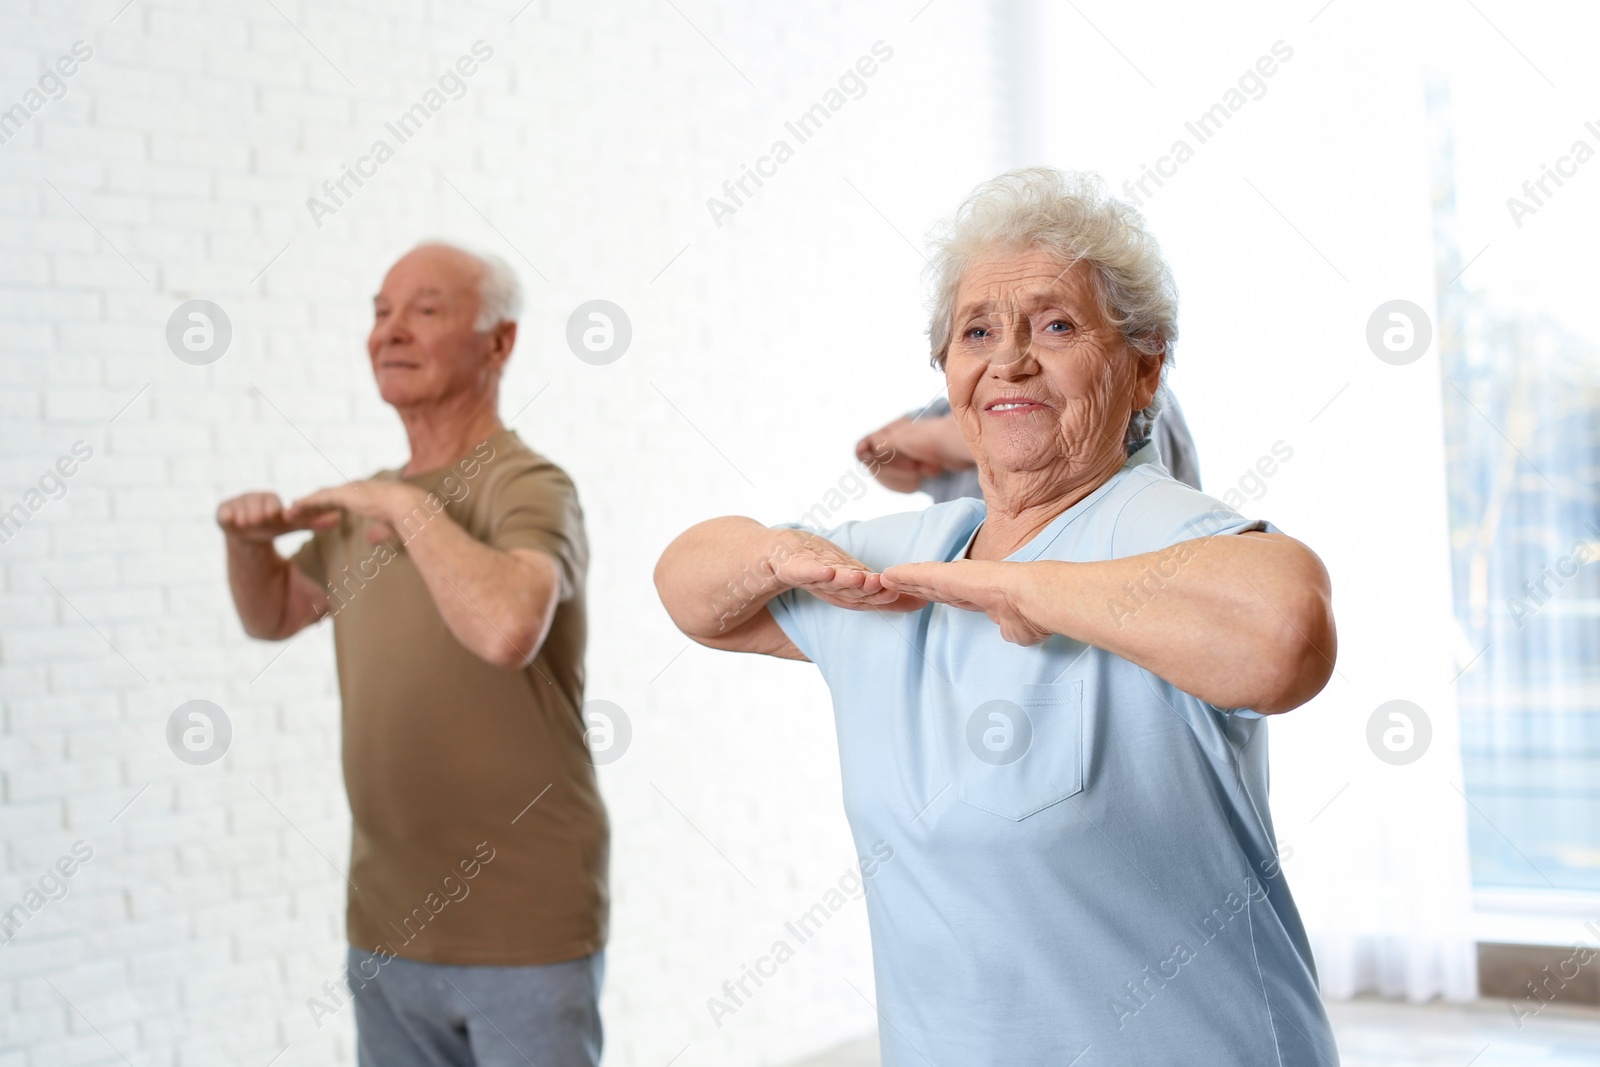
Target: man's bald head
{"type": "Point", "coordinates": [499, 292]}
{"type": "Point", "coordinates": [444, 324]}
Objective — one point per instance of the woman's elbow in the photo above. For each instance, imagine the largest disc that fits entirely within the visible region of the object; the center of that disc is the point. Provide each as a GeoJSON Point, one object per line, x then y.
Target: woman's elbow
{"type": "Point", "coordinates": [674, 582]}
{"type": "Point", "coordinates": [1305, 648]}
{"type": "Point", "coordinates": [666, 579]}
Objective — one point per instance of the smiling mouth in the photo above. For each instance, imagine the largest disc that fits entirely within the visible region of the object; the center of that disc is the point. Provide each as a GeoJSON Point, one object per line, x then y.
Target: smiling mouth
{"type": "Point", "coordinates": [1013, 405]}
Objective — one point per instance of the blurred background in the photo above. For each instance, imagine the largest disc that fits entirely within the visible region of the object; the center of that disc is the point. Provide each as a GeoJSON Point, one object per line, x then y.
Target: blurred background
{"type": "Point", "coordinates": [1381, 219]}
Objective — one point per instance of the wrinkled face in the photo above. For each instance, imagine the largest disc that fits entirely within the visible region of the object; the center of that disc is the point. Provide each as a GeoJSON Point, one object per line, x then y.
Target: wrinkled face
{"type": "Point", "coordinates": [423, 347]}
{"type": "Point", "coordinates": [1039, 381]}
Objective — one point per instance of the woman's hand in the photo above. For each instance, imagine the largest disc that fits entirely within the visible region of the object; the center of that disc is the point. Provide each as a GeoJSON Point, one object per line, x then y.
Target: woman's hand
{"type": "Point", "coordinates": [971, 585]}
{"type": "Point", "coordinates": [827, 572]}
{"type": "Point", "coordinates": [717, 577]}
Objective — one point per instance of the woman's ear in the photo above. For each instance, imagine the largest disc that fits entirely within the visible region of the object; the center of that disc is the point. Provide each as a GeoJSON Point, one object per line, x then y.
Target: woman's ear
{"type": "Point", "coordinates": [1147, 378]}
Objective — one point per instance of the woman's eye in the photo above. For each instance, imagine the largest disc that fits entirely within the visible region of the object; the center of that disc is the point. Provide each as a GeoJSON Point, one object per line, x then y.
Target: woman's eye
{"type": "Point", "coordinates": [976, 333]}
{"type": "Point", "coordinates": [1062, 323]}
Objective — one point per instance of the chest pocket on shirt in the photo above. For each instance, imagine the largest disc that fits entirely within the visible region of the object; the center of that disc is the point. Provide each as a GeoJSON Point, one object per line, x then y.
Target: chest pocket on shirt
{"type": "Point", "coordinates": [1022, 752]}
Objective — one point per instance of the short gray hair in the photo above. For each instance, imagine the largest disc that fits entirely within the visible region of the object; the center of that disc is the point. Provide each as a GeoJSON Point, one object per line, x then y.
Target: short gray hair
{"type": "Point", "coordinates": [1070, 214]}
{"type": "Point", "coordinates": [499, 291]}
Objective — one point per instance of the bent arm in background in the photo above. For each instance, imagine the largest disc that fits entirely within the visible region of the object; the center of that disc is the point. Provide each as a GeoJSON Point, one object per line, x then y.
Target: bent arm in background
{"type": "Point", "coordinates": [497, 603]}
{"type": "Point", "coordinates": [908, 450]}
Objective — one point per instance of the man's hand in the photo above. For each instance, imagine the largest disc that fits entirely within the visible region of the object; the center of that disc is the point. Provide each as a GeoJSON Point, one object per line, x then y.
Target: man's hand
{"type": "Point", "coordinates": [832, 575]}
{"type": "Point", "coordinates": [887, 453]}
{"type": "Point", "coordinates": [971, 585]}
{"type": "Point", "coordinates": [274, 598]}
{"type": "Point", "coordinates": [256, 519]}
{"type": "Point", "coordinates": [383, 503]}
{"type": "Point", "coordinates": [904, 452]}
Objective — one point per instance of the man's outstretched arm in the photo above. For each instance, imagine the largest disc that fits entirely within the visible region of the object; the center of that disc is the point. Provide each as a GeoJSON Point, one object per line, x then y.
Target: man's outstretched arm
{"type": "Point", "coordinates": [275, 600]}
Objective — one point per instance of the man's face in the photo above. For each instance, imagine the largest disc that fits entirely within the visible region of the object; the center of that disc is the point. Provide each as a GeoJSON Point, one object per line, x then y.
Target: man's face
{"type": "Point", "coordinates": [423, 346]}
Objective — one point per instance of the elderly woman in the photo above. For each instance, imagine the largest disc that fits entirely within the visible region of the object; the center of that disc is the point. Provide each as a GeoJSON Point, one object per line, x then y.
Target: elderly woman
{"type": "Point", "coordinates": [1049, 702]}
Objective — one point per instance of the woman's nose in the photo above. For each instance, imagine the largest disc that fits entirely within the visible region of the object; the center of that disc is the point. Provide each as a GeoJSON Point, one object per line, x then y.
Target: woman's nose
{"type": "Point", "coordinates": [1016, 338]}
{"type": "Point", "coordinates": [1016, 349]}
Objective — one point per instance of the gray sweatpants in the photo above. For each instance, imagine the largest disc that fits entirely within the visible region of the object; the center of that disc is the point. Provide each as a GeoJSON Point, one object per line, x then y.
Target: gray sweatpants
{"type": "Point", "coordinates": [414, 1014]}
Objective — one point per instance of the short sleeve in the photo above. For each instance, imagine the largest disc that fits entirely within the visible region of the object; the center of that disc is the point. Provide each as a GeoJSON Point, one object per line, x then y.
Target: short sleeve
{"type": "Point", "coordinates": [312, 559]}
{"type": "Point", "coordinates": [535, 506]}
{"type": "Point", "coordinates": [803, 618]}
{"type": "Point", "coordinates": [796, 615]}
{"type": "Point", "coordinates": [1165, 512]}
{"type": "Point", "coordinates": [821, 630]}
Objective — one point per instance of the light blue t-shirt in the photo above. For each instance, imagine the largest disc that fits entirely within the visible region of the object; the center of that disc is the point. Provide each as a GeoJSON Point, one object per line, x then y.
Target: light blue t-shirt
{"type": "Point", "coordinates": [1084, 870]}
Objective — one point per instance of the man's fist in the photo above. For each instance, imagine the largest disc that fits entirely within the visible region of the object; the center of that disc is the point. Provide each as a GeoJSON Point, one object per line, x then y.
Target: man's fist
{"type": "Point", "coordinates": [904, 452]}
{"type": "Point", "coordinates": [257, 518]}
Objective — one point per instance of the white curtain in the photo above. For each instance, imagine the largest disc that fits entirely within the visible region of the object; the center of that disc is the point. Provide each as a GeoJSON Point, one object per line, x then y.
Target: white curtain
{"type": "Point", "coordinates": [1377, 853]}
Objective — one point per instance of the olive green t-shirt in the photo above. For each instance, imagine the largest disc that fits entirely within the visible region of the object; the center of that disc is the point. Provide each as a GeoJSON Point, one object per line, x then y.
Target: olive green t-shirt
{"type": "Point", "coordinates": [479, 835]}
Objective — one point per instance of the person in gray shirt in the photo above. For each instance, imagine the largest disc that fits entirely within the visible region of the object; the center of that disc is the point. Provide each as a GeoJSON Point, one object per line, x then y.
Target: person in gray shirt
{"type": "Point", "coordinates": [925, 451]}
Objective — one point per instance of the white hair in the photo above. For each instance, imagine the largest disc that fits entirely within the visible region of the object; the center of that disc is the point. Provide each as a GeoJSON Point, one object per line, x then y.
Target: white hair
{"type": "Point", "coordinates": [499, 291]}
{"type": "Point", "coordinates": [1070, 214]}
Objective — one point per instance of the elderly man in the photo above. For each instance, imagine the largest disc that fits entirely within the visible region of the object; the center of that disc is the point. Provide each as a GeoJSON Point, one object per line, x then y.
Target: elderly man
{"type": "Point", "coordinates": [478, 900]}
{"type": "Point", "coordinates": [1050, 701]}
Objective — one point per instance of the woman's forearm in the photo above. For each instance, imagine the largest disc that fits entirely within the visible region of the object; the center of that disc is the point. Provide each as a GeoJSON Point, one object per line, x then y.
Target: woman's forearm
{"type": "Point", "coordinates": [718, 574]}
{"type": "Point", "coordinates": [1240, 621]}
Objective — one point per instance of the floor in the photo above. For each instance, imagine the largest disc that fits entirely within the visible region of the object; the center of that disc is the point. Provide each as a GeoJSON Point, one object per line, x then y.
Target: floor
{"type": "Point", "coordinates": [1376, 1033]}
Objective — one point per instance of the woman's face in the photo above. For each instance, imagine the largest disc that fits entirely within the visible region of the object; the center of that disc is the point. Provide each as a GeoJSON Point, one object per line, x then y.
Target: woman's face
{"type": "Point", "coordinates": [1041, 385]}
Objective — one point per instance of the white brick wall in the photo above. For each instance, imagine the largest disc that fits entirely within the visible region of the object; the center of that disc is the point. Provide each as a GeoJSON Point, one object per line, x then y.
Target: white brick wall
{"type": "Point", "coordinates": [176, 167]}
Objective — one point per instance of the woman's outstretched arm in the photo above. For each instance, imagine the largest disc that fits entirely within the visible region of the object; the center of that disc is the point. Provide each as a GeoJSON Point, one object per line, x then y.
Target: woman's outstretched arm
{"type": "Point", "coordinates": [1238, 620]}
